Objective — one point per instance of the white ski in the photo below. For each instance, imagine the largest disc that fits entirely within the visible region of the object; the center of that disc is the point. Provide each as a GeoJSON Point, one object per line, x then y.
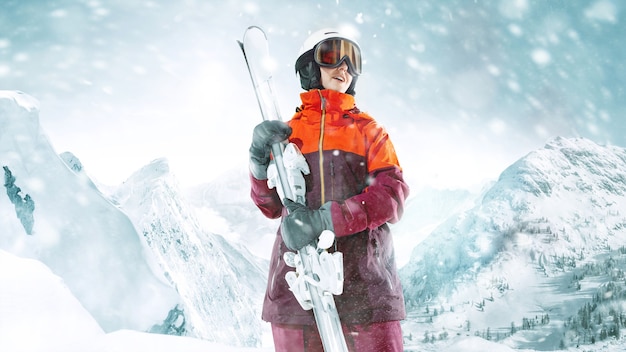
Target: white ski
{"type": "Point", "coordinates": [319, 274]}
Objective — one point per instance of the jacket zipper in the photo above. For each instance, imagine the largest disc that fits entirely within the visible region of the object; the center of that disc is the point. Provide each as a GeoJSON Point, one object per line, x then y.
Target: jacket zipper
{"type": "Point", "coordinates": [320, 146]}
{"type": "Point", "coordinates": [332, 179]}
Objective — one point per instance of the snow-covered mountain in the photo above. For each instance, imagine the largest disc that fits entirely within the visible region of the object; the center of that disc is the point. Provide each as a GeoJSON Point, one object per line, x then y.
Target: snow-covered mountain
{"type": "Point", "coordinates": [136, 259]}
{"type": "Point", "coordinates": [221, 285]}
{"type": "Point", "coordinates": [542, 246]}
{"type": "Point", "coordinates": [535, 247]}
{"type": "Point", "coordinates": [464, 88]}
{"type": "Point", "coordinates": [72, 228]}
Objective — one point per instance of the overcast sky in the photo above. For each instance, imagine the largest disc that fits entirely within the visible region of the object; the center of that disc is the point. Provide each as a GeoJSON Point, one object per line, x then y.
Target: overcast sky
{"type": "Point", "coordinates": [465, 88]}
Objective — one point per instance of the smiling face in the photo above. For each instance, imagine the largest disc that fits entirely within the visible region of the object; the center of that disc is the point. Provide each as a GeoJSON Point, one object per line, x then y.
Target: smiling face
{"type": "Point", "coordinates": [336, 78]}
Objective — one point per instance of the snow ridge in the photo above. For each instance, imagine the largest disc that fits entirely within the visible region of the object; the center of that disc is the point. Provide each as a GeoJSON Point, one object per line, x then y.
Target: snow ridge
{"type": "Point", "coordinates": [76, 232]}
{"type": "Point", "coordinates": [220, 285]}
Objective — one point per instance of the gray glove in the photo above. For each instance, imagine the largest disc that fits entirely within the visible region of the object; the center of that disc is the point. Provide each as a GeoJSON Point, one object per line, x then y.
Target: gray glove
{"type": "Point", "coordinates": [265, 134]}
{"type": "Point", "coordinates": [303, 225]}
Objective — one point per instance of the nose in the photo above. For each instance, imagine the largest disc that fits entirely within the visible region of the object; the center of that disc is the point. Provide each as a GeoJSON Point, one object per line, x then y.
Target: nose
{"type": "Point", "coordinates": [343, 66]}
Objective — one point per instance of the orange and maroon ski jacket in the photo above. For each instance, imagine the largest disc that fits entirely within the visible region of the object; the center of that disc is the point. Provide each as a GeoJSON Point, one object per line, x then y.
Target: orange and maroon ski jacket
{"type": "Point", "coordinates": [355, 172]}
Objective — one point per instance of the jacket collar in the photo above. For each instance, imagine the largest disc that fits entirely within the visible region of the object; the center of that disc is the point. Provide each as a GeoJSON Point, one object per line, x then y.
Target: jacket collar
{"type": "Point", "coordinates": [331, 100]}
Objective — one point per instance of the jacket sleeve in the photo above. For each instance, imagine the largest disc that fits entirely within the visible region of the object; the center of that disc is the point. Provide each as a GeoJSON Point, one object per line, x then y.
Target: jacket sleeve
{"type": "Point", "coordinates": [381, 202]}
{"type": "Point", "coordinates": [383, 199]}
{"type": "Point", "coordinates": [266, 199]}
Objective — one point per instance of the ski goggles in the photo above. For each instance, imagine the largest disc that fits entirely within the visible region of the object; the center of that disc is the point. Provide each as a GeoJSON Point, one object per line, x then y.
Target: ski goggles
{"type": "Point", "coordinates": [333, 51]}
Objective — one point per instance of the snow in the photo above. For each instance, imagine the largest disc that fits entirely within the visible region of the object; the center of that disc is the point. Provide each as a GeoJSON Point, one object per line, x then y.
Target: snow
{"type": "Point", "coordinates": [513, 255]}
{"type": "Point", "coordinates": [467, 90]}
{"type": "Point", "coordinates": [39, 313]}
{"type": "Point", "coordinates": [198, 263]}
{"type": "Point", "coordinates": [75, 218]}
{"type": "Point", "coordinates": [602, 11]}
{"type": "Point", "coordinates": [475, 344]}
{"type": "Point", "coordinates": [563, 186]}
{"type": "Point", "coordinates": [86, 280]}
{"type": "Point", "coordinates": [67, 320]}
{"type": "Point", "coordinates": [37, 309]}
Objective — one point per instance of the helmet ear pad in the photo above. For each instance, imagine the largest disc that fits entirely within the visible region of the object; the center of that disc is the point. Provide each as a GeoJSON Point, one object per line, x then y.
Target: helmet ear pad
{"type": "Point", "coordinates": [310, 76]}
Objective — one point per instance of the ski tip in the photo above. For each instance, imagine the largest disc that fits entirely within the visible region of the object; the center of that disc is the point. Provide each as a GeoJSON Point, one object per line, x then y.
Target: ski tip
{"type": "Point", "coordinates": [255, 28]}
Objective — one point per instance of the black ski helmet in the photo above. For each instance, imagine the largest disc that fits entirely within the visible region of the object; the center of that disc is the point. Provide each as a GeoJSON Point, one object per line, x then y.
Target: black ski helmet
{"type": "Point", "coordinates": [309, 70]}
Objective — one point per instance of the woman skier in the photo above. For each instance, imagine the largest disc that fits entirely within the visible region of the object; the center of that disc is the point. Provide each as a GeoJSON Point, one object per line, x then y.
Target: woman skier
{"type": "Point", "coordinates": [355, 187]}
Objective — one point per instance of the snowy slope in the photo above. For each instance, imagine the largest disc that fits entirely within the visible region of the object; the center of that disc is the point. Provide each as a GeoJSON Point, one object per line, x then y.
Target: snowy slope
{"type": "Point", "coordinates": [30, 322]}
{"type": "Point", "coordinates": [36, 308]}
{"type": "Point", "coordinates": [221, 285]}
{"type": "Point", "coordinates": [558, 209]}
{"type": "Point", "coordinates": [76, 232]}
{"type": "Point", "coordinates": [426, 209]}
{"type": "Point", "coordinates": [38, 313]}
{"type": "Point", "coordinates": [224, 206]}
